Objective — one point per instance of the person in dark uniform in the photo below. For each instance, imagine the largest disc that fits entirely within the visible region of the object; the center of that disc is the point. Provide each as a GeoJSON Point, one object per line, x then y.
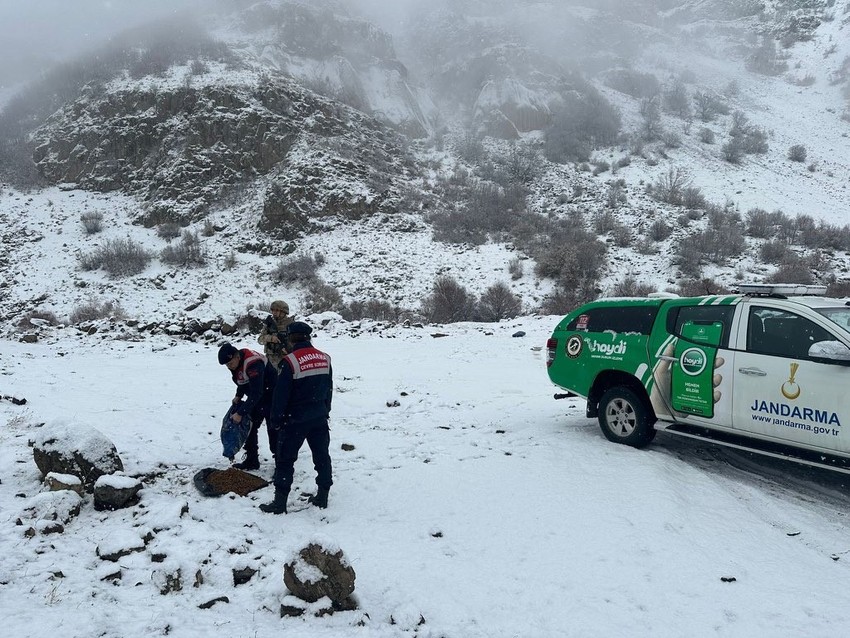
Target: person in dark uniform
{"type": "Point", "coordinates": [255, 384]}
{"type": "Point", "coordinates": [300, 408]}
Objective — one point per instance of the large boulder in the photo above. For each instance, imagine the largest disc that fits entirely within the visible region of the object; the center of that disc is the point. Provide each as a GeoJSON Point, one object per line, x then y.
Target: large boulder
{"type": "Point", "coordinates": [320, 569]}
{"type": "Point", "coordinates": [65, 448]}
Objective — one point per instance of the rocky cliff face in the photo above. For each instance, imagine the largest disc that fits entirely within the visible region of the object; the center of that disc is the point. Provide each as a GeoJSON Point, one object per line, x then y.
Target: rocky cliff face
{"type": "Point", "coordinates": [340, 57]}
{"type": "Point", "coordinates": [181, 146]}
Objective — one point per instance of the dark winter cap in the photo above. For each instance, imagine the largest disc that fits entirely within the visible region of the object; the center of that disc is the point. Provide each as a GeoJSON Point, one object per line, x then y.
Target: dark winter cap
{"type": "Point", "coordinates": [299, 328]}
{"type": "Point", "coordinates": [226, 352]}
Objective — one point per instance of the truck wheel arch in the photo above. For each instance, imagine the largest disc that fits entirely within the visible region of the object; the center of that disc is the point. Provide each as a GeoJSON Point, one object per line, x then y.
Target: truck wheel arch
{"type": "Point", "coordinates": [612, 378]}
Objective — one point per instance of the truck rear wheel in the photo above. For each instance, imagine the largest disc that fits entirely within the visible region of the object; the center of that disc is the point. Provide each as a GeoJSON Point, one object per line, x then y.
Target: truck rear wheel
{"type": "Point", "coordinates": [625, 418]}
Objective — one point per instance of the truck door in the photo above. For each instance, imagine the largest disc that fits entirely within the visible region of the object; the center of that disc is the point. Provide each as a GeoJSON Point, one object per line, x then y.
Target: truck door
{"type": "Point", "coordinates": [691, 366]}
{"type": "Point", "coordinates": [783, 393]}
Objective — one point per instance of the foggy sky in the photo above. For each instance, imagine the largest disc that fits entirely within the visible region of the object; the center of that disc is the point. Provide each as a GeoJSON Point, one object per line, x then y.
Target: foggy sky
{"type": "Point", "coordinates": [35, 34]}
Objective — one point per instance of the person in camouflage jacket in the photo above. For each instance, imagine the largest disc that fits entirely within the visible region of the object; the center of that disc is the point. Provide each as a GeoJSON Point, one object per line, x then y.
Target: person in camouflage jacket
{"type": "Point", "coordinates": [273, 333]}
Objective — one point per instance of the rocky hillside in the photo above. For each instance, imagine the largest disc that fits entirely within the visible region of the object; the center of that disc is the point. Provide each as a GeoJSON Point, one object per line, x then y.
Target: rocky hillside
{"type": "Point", "coordinates": [185, 142]}
{"type": "Point", "coordinates": [561, 150]}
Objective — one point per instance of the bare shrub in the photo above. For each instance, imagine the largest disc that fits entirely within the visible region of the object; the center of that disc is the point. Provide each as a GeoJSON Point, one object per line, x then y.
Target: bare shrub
{"type": "Point", "coordinates": [41, 317]}
{"type": "Point", "coordinates": [565, 297]}
{"type": "Point", "coordinates": [638, 85]}
{"type": "Point", "coordinates": [628, 286]}
{"type": "Point", "coordinates": [294, 270]}
{"type": "Point", "coordinates": [95, 310]}
{"type": "Point", "coordinates": [188, 252]}
{"type": "Point", "coordinates": [515, 268]}
{"type": "Point", "coordinates": [92, 222]}
{"type": "Point", "coordinates": [651, 128]}
{"type": "Point", "coordinates": [209, 229]}
{"type": "Point", "coordinates": [670, 186]}
{"type": "Point", "coordinates": [733, 151]}
{"type": "Point", "coordinates": [586, 121]}
{"type": "Point", "coordinates": [796, 272]}
{"type": "Point", "coordinates": [600, 166]}
{"type": "Point", "coordinates": [168, 231]}
{"type": "Point", "coordinates": [377, 309]}
{"type": "Point", "coordinates": [775, 252]}
{"type": "Point", "coordinates": [722, 239]}
{"type": "Point", "coordinates": [470, 148]}
{"type": "Point", "coordinates": [448, 302]}
{"type": "Point", "coordinates": [671, 139]}
{"type": "Point", "coordinates": [706, 135]}
{"type": "Point", "coordinates": [759, 223]}
{"type": "Point", "coordinates": [797, 153]}
{"type": "Point", "coordinates": [700, 287]}
{"type": "Point", "coordinates": [497, 303]}
{"type": "Point", "coordinates": [322, 297]}
{"type": "Point", "coordinates": [751, 139]}
{"type": "Point", "coordinates": [489, 209]}
{"type": "Point", "coordinates": [676, 100]}
{"type": "Point", "coordinates": [622, 235]}
{"type": "Point", "coordinates": [659, 230]}
{"type": "Point", "coordinates": [765, 59]}
{"type": "Point", "coordinates": [693, 198]}
{"type": "Point", "coordinates": [519, 165]}
{"type": "Point", "coordinates": [604, 222]}
{"type": "Point", "coordinates": [118, 257]}
{"type": "Point", "coordinates": [230, 261]}
{"type": "Point", "coordinates": [616, 194]}
{"type": "Point", "coordinates": [198, 67]}
{"type": "Point", "coordinates": [646, 246]}
{"type": "Point", "coordinates": [839, 289]}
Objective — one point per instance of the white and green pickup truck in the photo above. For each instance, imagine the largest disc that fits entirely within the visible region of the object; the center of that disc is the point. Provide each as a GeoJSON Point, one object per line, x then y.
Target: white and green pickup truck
{"type": "Point", "coordinates": [766, 370]}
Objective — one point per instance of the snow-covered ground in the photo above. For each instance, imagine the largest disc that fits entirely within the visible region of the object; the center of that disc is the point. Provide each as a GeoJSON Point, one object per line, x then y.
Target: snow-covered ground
{"type": "Point", "coordinates": [478, 503]}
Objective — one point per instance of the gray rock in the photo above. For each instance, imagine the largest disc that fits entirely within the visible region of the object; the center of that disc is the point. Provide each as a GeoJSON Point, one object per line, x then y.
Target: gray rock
{"type": "Point", "coordinates": [75, 449]}
{"type": "Point", "coordinates": [112, 492]}
{"type": "Point", "coordinates": [316, 572]}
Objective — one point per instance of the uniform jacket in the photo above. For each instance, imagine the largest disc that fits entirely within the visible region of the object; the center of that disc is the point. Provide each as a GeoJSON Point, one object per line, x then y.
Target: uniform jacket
{"type": "Point", "coordinates": [249, 378]}
{"type": "Point", "coordinates": [275, 351]}
{"type": "Point", "coordinates": [304, 387]}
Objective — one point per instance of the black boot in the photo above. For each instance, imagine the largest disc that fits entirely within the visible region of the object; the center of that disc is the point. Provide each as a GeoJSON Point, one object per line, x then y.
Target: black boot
{"type": "Point", "coordinates": [251, 462]}
{"type": "Point", "coordinates": [278, 505]}
{"type": "Point", "coordinates": [320, 498]}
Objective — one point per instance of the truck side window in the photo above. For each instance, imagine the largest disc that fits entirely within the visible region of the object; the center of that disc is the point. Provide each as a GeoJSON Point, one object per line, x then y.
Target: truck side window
{"type": "Point", "coordinates": [619, 319]}
{"type": "Point", "coordinates": [678, 317]}
{"type": "Point", "coordinates": [782, 334]}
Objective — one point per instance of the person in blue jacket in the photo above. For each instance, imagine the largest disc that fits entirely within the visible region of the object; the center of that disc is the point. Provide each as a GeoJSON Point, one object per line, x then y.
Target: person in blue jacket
{"type": "Point", "coordinates": [254, 384]}
{"type": "Point", "coordinates": [300, 408]}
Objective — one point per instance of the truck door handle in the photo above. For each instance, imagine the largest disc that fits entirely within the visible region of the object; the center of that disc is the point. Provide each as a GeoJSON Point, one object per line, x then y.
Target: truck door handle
{"type": "Point", "coordinates": [753, 372]}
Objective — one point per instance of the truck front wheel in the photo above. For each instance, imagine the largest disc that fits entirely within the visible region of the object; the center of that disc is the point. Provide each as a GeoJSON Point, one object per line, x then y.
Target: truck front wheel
{"type": "Point", "coordinates": [625, 418]}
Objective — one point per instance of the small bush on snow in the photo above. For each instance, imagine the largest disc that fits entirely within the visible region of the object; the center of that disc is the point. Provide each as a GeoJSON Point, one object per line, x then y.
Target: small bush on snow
{"type": "Point", "coordinates": [92, 222]}
{"type": "Point", "coordinates": [448, 302]}
{"type": "Point", "coordinates": [94, 310]}
{"type": "Point", "coordinates": [497, 303]}
{"type": "Point", "coordinates": [797, 153]}
{"type": "Point", "coordinates": [119, 257]}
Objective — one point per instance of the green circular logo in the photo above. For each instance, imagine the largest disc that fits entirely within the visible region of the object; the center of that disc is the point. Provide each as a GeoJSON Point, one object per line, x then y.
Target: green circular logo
{"type": "Point", "coordinates": [693, 361]}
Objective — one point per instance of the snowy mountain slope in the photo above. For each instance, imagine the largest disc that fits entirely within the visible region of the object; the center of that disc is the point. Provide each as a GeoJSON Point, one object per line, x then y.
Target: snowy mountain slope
{"type": "Point", "coordinates": [371, 196]}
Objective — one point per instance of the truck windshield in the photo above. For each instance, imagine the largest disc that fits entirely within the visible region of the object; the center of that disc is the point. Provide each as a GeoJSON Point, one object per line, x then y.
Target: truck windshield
{"type": "Point", "coordinates": [839, 316]}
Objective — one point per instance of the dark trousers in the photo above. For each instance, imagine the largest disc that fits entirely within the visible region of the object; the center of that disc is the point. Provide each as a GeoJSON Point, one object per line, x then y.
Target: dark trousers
{"type": "Point", "coordinates": [290, 439]}
{"type": "Point", "coordinates": [261, 413]}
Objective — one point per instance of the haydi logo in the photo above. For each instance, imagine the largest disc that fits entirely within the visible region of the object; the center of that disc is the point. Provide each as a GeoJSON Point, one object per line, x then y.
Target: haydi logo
{"type": "Point", "coordinates": [608, 349]}
{"type": "Point", "coordinates": [693, 361]}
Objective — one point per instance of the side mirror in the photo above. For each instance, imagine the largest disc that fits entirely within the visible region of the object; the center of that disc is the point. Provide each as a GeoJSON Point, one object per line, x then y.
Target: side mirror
{"type": "Point", "coordinates": [830, 352]}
